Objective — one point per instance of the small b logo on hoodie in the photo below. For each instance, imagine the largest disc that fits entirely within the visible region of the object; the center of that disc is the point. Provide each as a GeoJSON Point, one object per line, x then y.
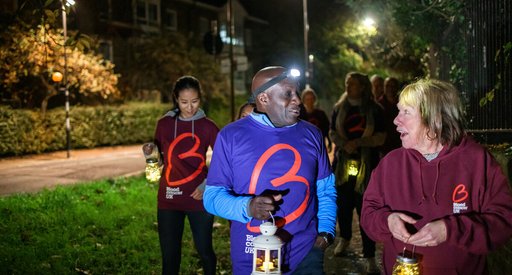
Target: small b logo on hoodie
{"type": "Point", "coordinates": [459, 195]}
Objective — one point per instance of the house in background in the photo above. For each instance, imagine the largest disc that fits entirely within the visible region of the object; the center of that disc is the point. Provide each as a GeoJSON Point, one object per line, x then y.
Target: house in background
{"type": "Point", "coordinates": [116, 22]}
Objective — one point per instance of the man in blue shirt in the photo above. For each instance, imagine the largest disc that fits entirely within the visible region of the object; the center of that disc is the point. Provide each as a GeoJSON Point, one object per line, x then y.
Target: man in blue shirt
{"type": "Point", "coordinates": [272, 162]}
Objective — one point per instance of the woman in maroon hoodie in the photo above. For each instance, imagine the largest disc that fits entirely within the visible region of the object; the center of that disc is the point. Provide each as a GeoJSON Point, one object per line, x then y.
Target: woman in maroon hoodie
{"type": "Point", "coordinates": [183, 136]}
{"type": "Point", "coordinates": [441, 194]}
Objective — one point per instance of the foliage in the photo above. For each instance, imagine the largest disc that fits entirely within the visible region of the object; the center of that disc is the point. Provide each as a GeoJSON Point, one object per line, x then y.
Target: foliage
{"type": "Point", "coordinates": [414, 32]}
{"type": "Point", "coordinates": [25, 132]}
{"type": "Point", "coordinates": [162, 59]}
{"type": "Point", "coordinates": [28, 57]}
{"type": "Point", "coordinates": [108, 227]}
{"type": "Point", "coordinates": [502, 54]}
{"type": "Point", "coordinates": [337, 51]}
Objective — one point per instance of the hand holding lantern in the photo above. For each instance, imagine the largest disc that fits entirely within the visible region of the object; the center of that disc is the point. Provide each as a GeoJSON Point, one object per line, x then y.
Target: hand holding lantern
{"type": "Point", "coordinates": [152, 156]}
{"type": "Point", "coordinates": [267, 250]}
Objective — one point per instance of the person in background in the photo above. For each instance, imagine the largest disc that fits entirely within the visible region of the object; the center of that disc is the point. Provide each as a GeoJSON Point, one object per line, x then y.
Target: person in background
{"type": "Point", "coordinates": [388, 102]}
{"type": "Point", "coordinates": [273, 162]}
{"type": "Point", "coordinates": [357, 129]}
{"type": "Point", "coordinates": [312, 114]}
{"type": "Point", "coordinates": [377, 87]}
{"type": "Point", "coordinates": [245, 110]}
{"type": "Point", "coordinates": [183, 136]}
{"type": "Point", "coordinates": [441, 194]}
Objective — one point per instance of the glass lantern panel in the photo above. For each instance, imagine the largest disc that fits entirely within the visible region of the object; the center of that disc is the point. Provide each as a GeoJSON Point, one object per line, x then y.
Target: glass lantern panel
{"type": "Point", "coordinates": [267, 260]}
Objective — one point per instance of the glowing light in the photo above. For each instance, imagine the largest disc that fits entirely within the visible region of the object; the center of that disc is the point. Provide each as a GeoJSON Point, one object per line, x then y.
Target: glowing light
{"type": "Point", "coordinates": [353, 167]}
{"type": "Point", "coordinates": [153, 171]}
{"type": "Point", "coordinates": [70, 3]}
{"type": "Point", "coordinates": [369, 22]}
{"type": "Point", "coordinates": [57, 77]}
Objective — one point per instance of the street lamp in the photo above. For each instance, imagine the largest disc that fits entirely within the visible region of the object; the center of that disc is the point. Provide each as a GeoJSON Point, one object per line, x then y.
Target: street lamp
{"type": "Point", "coordinates": [306, 52]}
{"type": "Point", "coordinates": [369, 26]}
{"type": "Point", "coordinates": [311, 60]}
{"type": "Point", "coordinates": [64, 4]}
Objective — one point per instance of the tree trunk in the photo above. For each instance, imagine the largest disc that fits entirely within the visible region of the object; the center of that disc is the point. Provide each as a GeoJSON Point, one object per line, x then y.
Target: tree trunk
{"type": "Point", "coordinates": [433, 61]}
{"type": "Point", "coordinates": [51, 92]}
{"type": "Point", "coordinates": [445, 59]}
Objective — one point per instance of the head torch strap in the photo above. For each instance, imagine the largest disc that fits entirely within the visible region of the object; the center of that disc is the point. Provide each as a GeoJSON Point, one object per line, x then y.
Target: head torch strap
{"type": "Point", "coordinates": [273, 81]}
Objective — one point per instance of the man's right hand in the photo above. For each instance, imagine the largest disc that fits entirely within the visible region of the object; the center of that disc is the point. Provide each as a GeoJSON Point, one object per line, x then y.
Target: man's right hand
{"type": "Point", "coordinates": [261, 206]}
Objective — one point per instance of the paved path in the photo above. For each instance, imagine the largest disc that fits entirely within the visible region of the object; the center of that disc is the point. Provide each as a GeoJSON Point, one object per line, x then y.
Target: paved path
{"type": "Point", "coordinates": [32, 173]}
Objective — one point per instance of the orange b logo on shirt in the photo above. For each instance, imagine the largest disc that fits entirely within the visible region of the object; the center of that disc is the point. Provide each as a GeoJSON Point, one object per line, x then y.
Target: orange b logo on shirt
{"type": "Point", "coordinates": [459, 193]}
{"type": "Point", "coordinates": [289, 176]}
{"type": "Point", "coordinates": [192, 153]}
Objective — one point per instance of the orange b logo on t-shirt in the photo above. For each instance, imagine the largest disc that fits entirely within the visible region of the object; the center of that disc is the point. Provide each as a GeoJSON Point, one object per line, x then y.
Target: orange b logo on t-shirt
{"type": "Point", "coordinates": [192, 153]}
{"type": "Point", "coordinates": [289, 176]}
{"type": "Point", "coordinates": [459, 193]}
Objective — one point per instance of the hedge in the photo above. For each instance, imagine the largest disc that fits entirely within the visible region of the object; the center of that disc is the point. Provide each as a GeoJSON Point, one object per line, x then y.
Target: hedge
{"type": "Point", "coordinates": [28, 132]}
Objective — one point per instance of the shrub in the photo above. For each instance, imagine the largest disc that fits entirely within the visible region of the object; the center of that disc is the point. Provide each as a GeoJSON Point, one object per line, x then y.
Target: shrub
{"type": "Point", "coordinates": [27, 132]}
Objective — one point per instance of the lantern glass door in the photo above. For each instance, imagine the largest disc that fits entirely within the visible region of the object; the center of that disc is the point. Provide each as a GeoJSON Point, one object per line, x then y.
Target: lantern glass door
{"type": "Point", "coordinates": [267, 260]}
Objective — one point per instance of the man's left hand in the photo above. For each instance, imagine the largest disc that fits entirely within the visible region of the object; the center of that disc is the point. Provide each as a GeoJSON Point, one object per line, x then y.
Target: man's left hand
{"type": "Point", "coordinates": [322, 241]}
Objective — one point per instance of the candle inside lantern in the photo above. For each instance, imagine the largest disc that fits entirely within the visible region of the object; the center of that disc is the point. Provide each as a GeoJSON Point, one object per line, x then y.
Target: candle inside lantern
{"type": "Point", "coordinates": [406, 266]}
{"type": "Point", "coordinates": [353, 168]}
{"type": "Point", "coordinates": [267, 266]}
{"type": "Point", "coordinates": [152, 171]}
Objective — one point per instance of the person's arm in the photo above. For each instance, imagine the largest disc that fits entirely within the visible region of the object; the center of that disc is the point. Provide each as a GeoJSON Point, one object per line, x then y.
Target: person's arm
{"type": "Point", "coordinates": [379, 133]}
{"type": "Point", "coordinates": [374, 213]}
{"type": "Point", "coordinates": [220, 201]}
{"type": "Point", "coordinates": [326, 193]}
{"type": "Point", "coordinates": [377, 139]}
{"type": "Point", "coordinates": [335, 137]}
{"type": "Point", "coordinates": [219, 198]}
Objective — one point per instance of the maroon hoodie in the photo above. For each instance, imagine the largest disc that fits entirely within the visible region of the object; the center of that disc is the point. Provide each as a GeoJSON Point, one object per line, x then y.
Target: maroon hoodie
{"type": "Point", "coordinates": [464, 186]}
{"type": "Point", "coordinates": [183, 145]}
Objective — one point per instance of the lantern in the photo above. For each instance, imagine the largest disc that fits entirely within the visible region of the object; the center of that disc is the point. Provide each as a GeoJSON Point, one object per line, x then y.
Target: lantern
{"type": "Point", "coordinates": [406, 265]}
{"type": "Point", "coordinates": [267, 250]}
{"type": "Point", "coordinates": [153, 169]}
{"type": "Point", "coordinates": [353, 167]}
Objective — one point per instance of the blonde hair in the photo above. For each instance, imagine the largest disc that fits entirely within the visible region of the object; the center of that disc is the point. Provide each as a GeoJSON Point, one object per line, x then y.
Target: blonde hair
{"type": "Point", "coordinates": [440, 109]}
{"type": "Point", "coordinates": [306, 92]}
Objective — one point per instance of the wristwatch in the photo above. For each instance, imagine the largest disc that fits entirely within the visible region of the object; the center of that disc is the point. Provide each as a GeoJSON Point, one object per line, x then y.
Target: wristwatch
{"type": "Point", "coordinates": [328, 237]}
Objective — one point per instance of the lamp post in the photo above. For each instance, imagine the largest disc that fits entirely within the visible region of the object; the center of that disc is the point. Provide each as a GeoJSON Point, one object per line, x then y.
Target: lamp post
{"type": "Point", "coordinates": [65, 3]}
{"type": "Point", "coordinates": [306, 51]}
{"type": "Point", "coordinates": [231, 26]}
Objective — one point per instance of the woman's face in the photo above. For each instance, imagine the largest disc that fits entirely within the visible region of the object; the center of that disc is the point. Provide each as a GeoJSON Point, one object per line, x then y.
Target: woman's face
{"type": "Point", "coordinates": [354, 88]}
{"type": "Point", "coordinates": [309, 101]}
{"type": "Point", "coordinates": [411, 129]}
{"type": "Point", "coordinates": [188, 102]}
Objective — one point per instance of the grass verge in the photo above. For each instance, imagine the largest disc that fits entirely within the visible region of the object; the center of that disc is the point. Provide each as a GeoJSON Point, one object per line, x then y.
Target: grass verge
{"type": "Point", "coordinates": [101, 227]}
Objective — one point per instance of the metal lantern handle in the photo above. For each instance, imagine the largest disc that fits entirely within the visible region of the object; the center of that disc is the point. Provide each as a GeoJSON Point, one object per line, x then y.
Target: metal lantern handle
{"type": "Point", "coordinates": [413, 248]}
{"type": "Point", "coordinates": [273, 220]}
